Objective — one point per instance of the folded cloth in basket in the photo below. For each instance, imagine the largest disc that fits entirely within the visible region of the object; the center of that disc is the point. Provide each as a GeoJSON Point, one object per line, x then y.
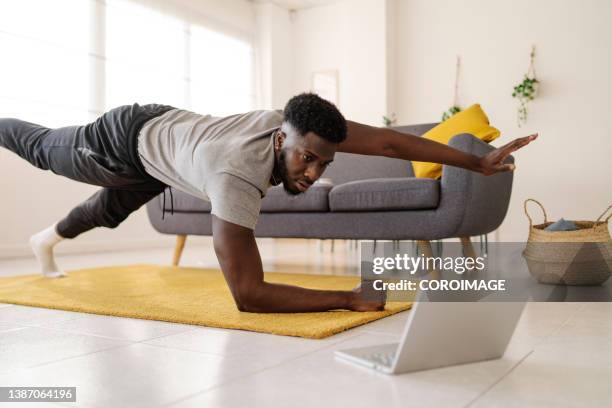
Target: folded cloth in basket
{"type": "Point", "coordinates": [562, 225]}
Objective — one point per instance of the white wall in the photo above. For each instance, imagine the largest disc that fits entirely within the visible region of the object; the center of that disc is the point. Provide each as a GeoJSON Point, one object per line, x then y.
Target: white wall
{"type": "Point", "coordinates": [349, 36]}
{"type": "Point", "coordinates": [568, 169]}
{"type": "Point", "coordinates": [33, 199]}
{"type": "Point", "coordinates": [274, 55]}
{"type": "Point", "coordinates": [399, 56]}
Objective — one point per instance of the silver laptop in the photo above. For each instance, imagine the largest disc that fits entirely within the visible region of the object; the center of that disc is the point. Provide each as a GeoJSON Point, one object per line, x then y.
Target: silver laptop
{"type": "Point", "coordinates": [440, 334]}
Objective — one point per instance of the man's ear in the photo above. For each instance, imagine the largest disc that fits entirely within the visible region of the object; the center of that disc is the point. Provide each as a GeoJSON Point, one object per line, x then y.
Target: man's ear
{"type": "Point", "coordinates": [279, 139]}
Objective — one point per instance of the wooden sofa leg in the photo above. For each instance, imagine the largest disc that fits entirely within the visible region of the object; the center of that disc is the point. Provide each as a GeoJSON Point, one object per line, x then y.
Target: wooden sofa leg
{"type": "Point", "coordinates": [424, 248]}
{"type": "Point", "coordinates": [178, 249]}
{"type": "Point", "coordinates": [468, 248]}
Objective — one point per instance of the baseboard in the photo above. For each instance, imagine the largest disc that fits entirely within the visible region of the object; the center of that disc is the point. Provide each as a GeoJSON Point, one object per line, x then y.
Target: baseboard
{"type": "Point", "coordinates": [76, 247]}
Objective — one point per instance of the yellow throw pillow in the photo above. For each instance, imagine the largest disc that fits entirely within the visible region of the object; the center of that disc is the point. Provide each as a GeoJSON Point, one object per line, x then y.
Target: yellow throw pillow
{"type": "Point", "coordinates": [472, 120]}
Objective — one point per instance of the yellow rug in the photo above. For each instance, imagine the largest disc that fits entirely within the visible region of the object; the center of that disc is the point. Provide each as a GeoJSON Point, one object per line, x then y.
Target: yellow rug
{"type": "Point", "coordinates": [183, 295]}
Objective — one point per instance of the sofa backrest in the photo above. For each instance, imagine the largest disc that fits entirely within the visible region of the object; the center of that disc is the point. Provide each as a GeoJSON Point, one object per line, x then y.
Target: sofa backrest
{"type": "Point", "coordinates": [350, 167]}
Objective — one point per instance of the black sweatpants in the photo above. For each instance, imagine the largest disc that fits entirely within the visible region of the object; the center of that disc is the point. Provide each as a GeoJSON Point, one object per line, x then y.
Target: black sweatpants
{"type": "Point", "coordinates": [102, 153]}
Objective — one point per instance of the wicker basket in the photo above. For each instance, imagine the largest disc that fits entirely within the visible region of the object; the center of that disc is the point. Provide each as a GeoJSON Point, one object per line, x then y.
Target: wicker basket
{"type": "Point", "coordinates": [580, 257]}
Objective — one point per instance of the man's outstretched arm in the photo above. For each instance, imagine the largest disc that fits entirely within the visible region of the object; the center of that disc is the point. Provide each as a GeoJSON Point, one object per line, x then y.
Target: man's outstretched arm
{"type": "Point", "coordinates": [370, 140]}
{"type": "Point", "coordinates": [238, 255]}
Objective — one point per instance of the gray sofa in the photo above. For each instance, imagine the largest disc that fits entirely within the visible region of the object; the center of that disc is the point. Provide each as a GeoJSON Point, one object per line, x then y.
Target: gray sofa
{"type": "Point", "coordinates": [371, 198]}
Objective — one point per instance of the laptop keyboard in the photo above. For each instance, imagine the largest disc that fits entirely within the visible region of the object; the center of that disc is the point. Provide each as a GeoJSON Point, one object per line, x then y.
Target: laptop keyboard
{"type": "Point", "coordinates": [385, 359]}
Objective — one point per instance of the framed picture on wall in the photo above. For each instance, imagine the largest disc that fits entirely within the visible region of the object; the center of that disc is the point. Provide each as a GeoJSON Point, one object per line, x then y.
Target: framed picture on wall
{"type": "Point", "coordinates": [325, 84]}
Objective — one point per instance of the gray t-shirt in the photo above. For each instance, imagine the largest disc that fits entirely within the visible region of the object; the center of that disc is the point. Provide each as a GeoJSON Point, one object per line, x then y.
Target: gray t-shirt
{"type": "Point", "coordinates": [225, 160]}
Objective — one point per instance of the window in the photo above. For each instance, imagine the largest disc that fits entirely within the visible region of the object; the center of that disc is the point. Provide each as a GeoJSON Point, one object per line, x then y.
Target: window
{"type": "Point", "coordinates": [221, 73]}
{"type": "Point", "coordinates": [145, 54]}
{"type": "Point", "coordinates": [157, 58]}
{"type": "Point", "coordinates": [65, 62]}
{"type": "Point", "coordinates": [45, 62]}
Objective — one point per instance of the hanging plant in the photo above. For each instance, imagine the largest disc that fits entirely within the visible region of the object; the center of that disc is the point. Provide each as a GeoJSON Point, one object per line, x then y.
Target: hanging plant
{"type": "Point", "coordinates": [526, 91]}
{"type": "Point", "coordinates": [450, 112]}
{"type": "Point", "coordinates": [389, 120]}
{"type": "Point", "coordinates": [455, 108]}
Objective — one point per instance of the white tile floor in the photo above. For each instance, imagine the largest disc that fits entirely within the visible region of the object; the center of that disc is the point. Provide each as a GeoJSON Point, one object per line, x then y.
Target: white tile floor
{"type": "Point", "coordinates": [560, 355]}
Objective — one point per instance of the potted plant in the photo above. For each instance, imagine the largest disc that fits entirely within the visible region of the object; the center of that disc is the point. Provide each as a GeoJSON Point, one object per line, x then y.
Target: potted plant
{"type": "Point", "coordinates": [526, 91]}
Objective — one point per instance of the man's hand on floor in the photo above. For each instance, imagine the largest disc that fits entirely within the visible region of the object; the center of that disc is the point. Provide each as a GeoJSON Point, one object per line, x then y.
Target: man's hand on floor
{"type": "Point", "coordinates": [366, 299]}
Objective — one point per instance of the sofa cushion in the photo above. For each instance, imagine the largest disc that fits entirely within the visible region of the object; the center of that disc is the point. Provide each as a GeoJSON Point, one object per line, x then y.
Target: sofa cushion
{"type": "Point", "coordinates": [315, 199]}
{"type": "Point", "coordinates": [406, 193]}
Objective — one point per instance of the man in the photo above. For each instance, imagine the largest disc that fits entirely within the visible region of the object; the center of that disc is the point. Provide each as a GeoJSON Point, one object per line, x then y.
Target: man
{"type": "Point", "coordinates": [134, 152]}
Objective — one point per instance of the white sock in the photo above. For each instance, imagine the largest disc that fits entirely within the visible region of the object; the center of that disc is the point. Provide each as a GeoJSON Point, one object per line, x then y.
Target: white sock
{"type": "Point", "coordinates": [42, 244]}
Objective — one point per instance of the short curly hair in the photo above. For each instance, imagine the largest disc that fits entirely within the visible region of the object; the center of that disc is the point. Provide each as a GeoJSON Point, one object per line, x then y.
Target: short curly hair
{"type": "Point", "coordinates": [308, 112]}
